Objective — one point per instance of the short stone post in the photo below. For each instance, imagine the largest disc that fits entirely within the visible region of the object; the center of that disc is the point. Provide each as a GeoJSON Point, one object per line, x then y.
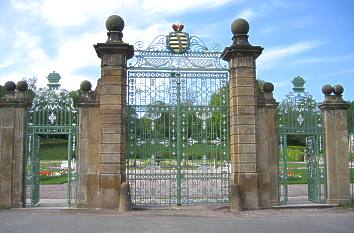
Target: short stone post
{"type": "Point", "coordinates": [13, 115]}
{"type": "Point", "coordinates": [334, 110]}
{"type": "Point", "coordinates": [111, 91]}
{"type": "Point", "coordinates": [267, 147]}
{"type": "Point", "coordinates": [241, 56]}
{"type": "Point", "coordinates": [89, 160]}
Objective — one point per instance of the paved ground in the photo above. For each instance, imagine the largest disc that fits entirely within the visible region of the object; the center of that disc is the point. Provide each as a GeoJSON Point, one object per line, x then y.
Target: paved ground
{"type": "Point", "coordinates": [185, 220]}
{"type": "Point", "coordinates": [53, 191]}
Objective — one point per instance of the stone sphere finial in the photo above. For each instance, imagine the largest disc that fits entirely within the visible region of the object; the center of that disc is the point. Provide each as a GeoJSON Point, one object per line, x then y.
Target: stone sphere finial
{"type": "Point", "coordinates": [86, 86]}
{"type": "Point", "coordinates": [22, 86]}
{"type": "Point", "coordinates": [115, 23]}
{"type": "Point", "coordinates": [10, 86]}
{"type": "Point", "coordinates": [240, 26]}
{"type": "Point", "coordinates": [338, 89]}
{"type": "Point", "coordinates": [268, 87]}
{"type": "Point", "coordinates": [327, 89]}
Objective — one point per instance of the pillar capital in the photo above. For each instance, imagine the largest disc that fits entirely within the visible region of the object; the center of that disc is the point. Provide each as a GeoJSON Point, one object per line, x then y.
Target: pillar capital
{"type": "Point", "coordinates": [15, 95]}
{"type": "Point", "coordinates": [114, 45]}
{"type": "Point", "coordinates": [240, 46]}
{"type": "Point", "coordinates": [267, 99]}
{"type": "Point", "coordinates": [241, 51]}
{"type": "Point", "coordinates": [336, 136]}
{"type": "Point", "coordinates": [333, 102]}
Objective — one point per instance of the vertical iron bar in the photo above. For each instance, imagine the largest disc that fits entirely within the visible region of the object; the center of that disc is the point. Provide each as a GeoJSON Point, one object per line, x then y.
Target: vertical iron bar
{"type": "Point", "coordinates": [179, 193]}
{"type": "Point", "coordinates": [69, 170]}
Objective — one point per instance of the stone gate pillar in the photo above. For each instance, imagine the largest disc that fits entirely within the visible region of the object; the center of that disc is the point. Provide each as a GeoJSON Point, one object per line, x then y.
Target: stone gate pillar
{"type": "Point", "coordinates": [13, 115]}
{"type": "Point", "coordinates": [111, 93]}
{"type": "Point", "coordinates": [241, 56]}
{"type": "Point", "coordinates": [334, 110]}
{"type": "Point", "coordinates": [89, 159]}
{"type": "Point", "coordinates": [267, 147]}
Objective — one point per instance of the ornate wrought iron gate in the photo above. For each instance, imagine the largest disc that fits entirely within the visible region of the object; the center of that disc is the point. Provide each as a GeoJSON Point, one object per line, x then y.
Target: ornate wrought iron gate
{"type": "Point", "coordinates": [52, 113]}
{"type": "Point", "coordinates": [298, 114]}
{"type": "Point", "coordinates": [178, 139]}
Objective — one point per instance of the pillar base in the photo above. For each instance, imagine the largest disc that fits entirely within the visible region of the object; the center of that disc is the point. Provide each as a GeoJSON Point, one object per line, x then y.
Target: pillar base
{"type": "Point", "coordinates": [109, 193]}
{"type": "Point", "coordinates": [248, 183]}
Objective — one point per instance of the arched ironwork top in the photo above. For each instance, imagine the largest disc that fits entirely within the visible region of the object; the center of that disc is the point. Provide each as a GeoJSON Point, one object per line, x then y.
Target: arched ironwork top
{"type": "Point", "coordinates": [52, 106]}
{"type": "Point", "coordinates": [298, 112]}
{"type": "Point", "coordinates": [177, 50]}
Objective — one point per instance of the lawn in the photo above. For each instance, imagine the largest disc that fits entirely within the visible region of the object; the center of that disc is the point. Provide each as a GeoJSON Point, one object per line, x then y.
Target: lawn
{"type": "Point", "coordinates": [52, 152]}
{"type": "Point", "coordinates": [53, 149]}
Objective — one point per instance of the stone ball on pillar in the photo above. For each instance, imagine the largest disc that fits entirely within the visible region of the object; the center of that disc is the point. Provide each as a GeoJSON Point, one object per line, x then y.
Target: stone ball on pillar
{"type": "Point", "coordinates": [22, 86]}
{"type": "Point", "coordinates": [115, 23]}
{"type": "Point", "coordinates": [268, 87]}
{"type": "Point", "coordinates": [10, 86]}
{"type": "Point", "coordinates": [338, 89]}
{"type": "Point", "coordinates": [240, 26]}
{"type": "Point", "coordinates": [327, 89]}
{"type": "Point", "coordinates": [85, 86]}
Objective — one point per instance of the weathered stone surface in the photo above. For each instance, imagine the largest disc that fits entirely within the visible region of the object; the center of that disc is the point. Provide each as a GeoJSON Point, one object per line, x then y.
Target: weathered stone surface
{"type": "Point", "coordinates": [113, 158]}
{"type": "Point", "coordinates": [13, 112]}
{"type": "Point", "coordinates": [336, 137]}
{"type": "Point", "coordinates": [109, 190]}
{"type": "Point", "coordinates": [267, 153]}
{"type": "Point", "coordinates": [249, 190]}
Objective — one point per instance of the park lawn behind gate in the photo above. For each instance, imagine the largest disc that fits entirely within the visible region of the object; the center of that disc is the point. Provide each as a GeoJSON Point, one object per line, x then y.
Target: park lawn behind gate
{"type": "Point", "coordinates": [52, 153]}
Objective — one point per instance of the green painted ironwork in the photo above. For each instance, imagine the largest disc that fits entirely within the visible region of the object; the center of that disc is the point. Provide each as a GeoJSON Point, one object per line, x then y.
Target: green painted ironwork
{"type": "Point", "coordinates": [52, 113]}
{"type": "Point", "coordinates": [177, 122]}
{"type": "Point", "coordinates": [298, 114]}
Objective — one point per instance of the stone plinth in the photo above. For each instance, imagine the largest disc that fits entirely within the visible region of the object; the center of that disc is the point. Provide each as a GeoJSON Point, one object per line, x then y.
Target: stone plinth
{"type": "Point", "coordinates": [334, 110]}
{"type": "Point", "coordinates": [243, 109]}
{"type": "Point", "coordinates": [13, 114]}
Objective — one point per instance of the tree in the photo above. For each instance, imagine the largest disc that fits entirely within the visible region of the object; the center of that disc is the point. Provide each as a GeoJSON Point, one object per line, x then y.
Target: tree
{"type": "Point", "coordinates": [75, 95]}
{"type": "Point", "coordinates": [32, 87]}
{"type": "Point", "coordinates": [2, 91]}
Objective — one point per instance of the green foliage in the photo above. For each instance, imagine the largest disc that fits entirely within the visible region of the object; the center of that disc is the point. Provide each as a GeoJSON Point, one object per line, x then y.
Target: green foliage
{"type": "Point", "coordinates": [295, 140]}
{"type": "Point", "coordinates": [75, 95]}
{"type": "Point", "coordinates": [2, 91]}
{"type": "Point", "coordinates": [161, 152]}
{"type": "Point", "coordinates": [260, 84]}
{"type": "Point", "coordinates": [54, 180]}
{"type": "Point", "coordinates": [32, 87]}
{"type": "Point", "coordinates": [351, 116]}
{"type": "Point", "coordinates": [295, 153]}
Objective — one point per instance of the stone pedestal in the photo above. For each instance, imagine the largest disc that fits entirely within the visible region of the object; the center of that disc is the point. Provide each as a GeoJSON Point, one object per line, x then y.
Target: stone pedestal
{"type": "Point", "coordinates": [267, 148]}
{"type": "Point", "coordinates": [336, 142]}
{"type": "Point", "coordinates": [111, 94]}
{"type": "Point", "coordinates": [243, 107]}
{"type": "Point", "coordinates": [13, 115]}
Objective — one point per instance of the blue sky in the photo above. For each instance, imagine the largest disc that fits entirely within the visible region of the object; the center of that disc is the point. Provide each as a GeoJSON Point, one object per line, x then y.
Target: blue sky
{"type": "Point", "coordinates": [313, 39]}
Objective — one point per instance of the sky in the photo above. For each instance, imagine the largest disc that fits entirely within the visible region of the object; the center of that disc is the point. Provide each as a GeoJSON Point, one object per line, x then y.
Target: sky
{"type": "Point", "coordinates": [310, 38]}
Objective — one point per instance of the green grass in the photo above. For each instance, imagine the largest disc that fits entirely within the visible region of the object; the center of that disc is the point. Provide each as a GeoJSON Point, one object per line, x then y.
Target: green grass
{"type": "Point", "coordinates": [55, 180]}
{"type": "Point", "coordinates": [295, 153]}
{"type": "Point", "coordinates": [53, 149]}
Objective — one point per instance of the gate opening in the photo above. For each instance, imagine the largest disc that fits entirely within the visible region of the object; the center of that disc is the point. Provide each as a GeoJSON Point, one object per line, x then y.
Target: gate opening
{"type": "Point", "coordinates": [302, 169]}
{"type": "Point", "coordinates": [51, 118]}
{"type": "Point", "coordinates": [51, 171]}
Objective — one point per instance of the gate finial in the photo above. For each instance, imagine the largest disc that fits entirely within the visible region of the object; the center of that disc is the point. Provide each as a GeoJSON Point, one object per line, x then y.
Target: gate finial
{"type": "Point", "coordinates": [115, 26]}
{"type": "Point", "coordinates": [240, 29]}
